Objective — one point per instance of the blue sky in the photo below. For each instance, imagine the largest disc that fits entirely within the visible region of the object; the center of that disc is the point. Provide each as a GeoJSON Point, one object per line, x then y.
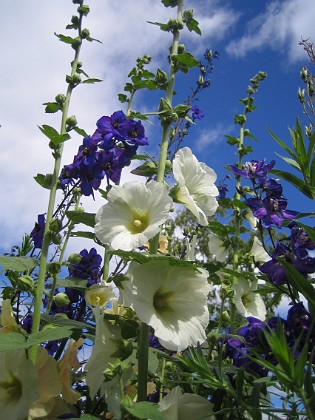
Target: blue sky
{"type": "Point", "coordinates": [250, 36]}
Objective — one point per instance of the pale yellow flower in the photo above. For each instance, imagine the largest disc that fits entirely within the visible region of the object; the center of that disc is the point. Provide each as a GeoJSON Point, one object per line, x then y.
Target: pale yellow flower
{"type": "Point", "coordinates": [247, 302]}
{"type": "Point", "coordinates": [98, 294]}
{"type": "Point", "coordinates": [7, 319]}
{"type": "Point", "coordinates": [179, 406]}
{"type": "Point", "coordinates": [68, 362]}
{"type": "Point", "coordinates": [49, 384]}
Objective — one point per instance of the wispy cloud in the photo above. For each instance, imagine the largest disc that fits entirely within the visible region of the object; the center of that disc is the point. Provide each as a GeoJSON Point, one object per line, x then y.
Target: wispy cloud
{"type": "Point", "coordinates": [279, 27]}
{"type": "Point", "coordinates": [213, 136]}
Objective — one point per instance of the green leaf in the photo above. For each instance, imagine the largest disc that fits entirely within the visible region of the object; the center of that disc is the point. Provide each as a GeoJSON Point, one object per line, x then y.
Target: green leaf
{"type": "Point", "coordinates": [66, 39]}
{"type": "Point", "coordinates": [282, 144]}
{"type": "Point", "coordinates": [87, 235]}
{"type": "Point", "coordinates": [73, 283]}
{"type": "Point", "coordinates": [65, 322]}
{"type": "Point", "coordinates": [301, 284]}
{"type": "Point", "coordinates": [232, 140]}
{"type": "Point", "coordinates": [49, 334]}
{"type": "Point", "coordinates": [145, 84]}
{"type": "Point", "coordinates": [295, 181]}
{"type": "Point", "coordinates": [170, 3]}
{"type": "Point", "coordinates": [146, 410]}
{"type": "Point", "coordinates": [18, 263]}
{"type": "Point", "coordinates": [122, 98]}
{"type": "Point", "coordinates": [291, 162]}
{"type": "Point", "coordinates": [80, 131]}
{"type": "Point", "coordinates": [193, 25]}
{"type": "Point", "coordinates": [146, 169]}
{"type": "Point", "coordinates": [12, 341]}
{"type": "Point", "coordinates": [52, 107]}
{"type": "Point", "coordinates": [44, 180]}
{"type": "Point", "coordinates": [92, 80]}
{"type": "Point", "coordinates": [187, 59]}
{"type": "Point", "coordinates": [87, 219]}
{"type": "Point", "coordinates": [53, 134]}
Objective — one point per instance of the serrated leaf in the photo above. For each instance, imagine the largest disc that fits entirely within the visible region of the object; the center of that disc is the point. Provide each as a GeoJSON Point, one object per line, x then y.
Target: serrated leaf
{"type": "Point", "coordinates": [122, 98]}
{"type": "Point", "coordinates": [232, 140]}
{"type": "Point", "coordinates": [146, 410]}
{"type": "Point", "coordinates": [19, 264]}
{"type": "Point", "coordinates": [193, 25]}
{"type": "Point", "coordinates": [12, 341]}
{"type": "Point", "coordinates": [145, 84]}
{"type": "Point", "coordinates": [87, 219]}
{"type": "Point", "coordinates": [92, 80]}
{"type": "Point", "coordinates": [187, 59]}
{"type": "Point", "coordinates": [49, 334]}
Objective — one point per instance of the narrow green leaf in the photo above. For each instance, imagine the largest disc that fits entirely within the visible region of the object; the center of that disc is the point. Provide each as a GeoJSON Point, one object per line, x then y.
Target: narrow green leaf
{"type": "Point", "coordinates": [295, 181]}
{"type": "Point", "coordinates": [88, 235]}
{"type": "Point", "coordinates": [80, 131]}
{"type": "Point", "coordinates": [65, 322]}
{"type": "Point", "coordinates": [282, 144]}
{"type": "Point", "coordinates": [92, 80]}
{"type": "Point", "coordinates": [291, 162]}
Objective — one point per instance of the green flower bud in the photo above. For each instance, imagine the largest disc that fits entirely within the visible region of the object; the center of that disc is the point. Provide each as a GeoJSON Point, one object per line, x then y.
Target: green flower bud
{"type": "Point", "coordinates": [61, 299]}
{"type": "Point", "coordinates": [76, 79]}
{"type": "Point", "coordinates": [53, 268]}
{"type": "Point", "coordinates": [55, 238]}
{"type": "Point", "coordinates": [74, 258]}
{"type": "Point", "coordinates": [71, 121]}
{"type": "Point", "coordinates": [25, 283]}
{"type": "Point", "coordinates": [55, 225]}
{"type": "Point", "coordinates": [124, 349]}
{"type": "Point", "coordinates": [168, 166]}
{"type": "Point", "coordinates": [60, 99]}
{"type": "Point", "coordinates": [84, 9]}
{"type": "Point", "coordinates": [301, 95]}
{"type": "Point", "coordinates": [85, 33]}
{"type": "Point", "coordinates": [303, 74]}
{"type": "Point", "coordinates": [225, 316]}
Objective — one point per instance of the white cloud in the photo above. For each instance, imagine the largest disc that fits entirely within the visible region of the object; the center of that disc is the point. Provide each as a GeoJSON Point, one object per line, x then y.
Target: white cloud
{"type": "Point", "coordinates": [33, 68]}
{"type": "Point", "coordinates": [280, 27]}
{"type": "Point", "coordinates": [212, 136]}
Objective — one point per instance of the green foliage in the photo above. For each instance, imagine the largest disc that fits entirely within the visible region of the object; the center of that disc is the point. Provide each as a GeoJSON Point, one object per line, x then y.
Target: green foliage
{"type": "Point", "coordinates": [19, 264]}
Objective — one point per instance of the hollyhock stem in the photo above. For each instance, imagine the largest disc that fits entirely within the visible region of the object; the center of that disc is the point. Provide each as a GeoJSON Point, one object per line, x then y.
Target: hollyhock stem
{"type": "Point", "coordinates": [143, 350]}
{"type": "Point", "coordinates": [51, 203]}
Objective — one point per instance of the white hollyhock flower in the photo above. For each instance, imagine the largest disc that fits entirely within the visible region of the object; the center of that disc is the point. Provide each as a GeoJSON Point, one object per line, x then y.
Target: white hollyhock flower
{"type": "Point", "coordinates": [133, 214]}
{"type": "Point", "coordinates": [19, 387]}
{"type": "Point", "coordinates": [179, 406]}
{"type": "Point", "coordinates": [105, 351]}
{"type": "Point", "coordinates": [172, 299]}
{"type": "Point", "coordinates": [246, 301]}
{"type": "Point", "coordinates": [258, 251]}
{"type": "Point", "coordinates": [195, 189]}
{"type": "Point", "coordinates": [217, 248]}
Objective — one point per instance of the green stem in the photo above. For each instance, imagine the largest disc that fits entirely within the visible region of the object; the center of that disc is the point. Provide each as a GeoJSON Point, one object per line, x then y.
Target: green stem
{"type": "Point", "coordinates": [51, 204]}
{"type": "Point", "coordinates": [143, 350]}
{"type": "Point", "coordinates": [106, 263]}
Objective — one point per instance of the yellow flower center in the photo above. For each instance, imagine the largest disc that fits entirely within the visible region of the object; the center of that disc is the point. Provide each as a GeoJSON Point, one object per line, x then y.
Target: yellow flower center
{"type": "Point", "coordinates": [13, 388]}
{"type": "Point", "coordinates": [138, 223]}
{"type": "Point", "coordinates": [162, 301]}
{"type": "Point", "coordinates": [246, 300]}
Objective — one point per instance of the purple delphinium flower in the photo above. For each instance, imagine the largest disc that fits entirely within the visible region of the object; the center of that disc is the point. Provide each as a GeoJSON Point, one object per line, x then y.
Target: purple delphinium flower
{"type": "Point", "coordinates": [255, 169]}
{"type": "Point", "coordinates": [223, 189]}
{"type": "Point", "coordinates": [300, 321]}
{"type": "Point", "coordinates": [273, 268]}
{"type": "Point", "coordinates": [37, 234]}
{"type": "Point", "coordinates": [196, 113]}
{"type": "Point", "coordinates": [271, 210]}
{"type": "Point", "coordinates": [88, 268]}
